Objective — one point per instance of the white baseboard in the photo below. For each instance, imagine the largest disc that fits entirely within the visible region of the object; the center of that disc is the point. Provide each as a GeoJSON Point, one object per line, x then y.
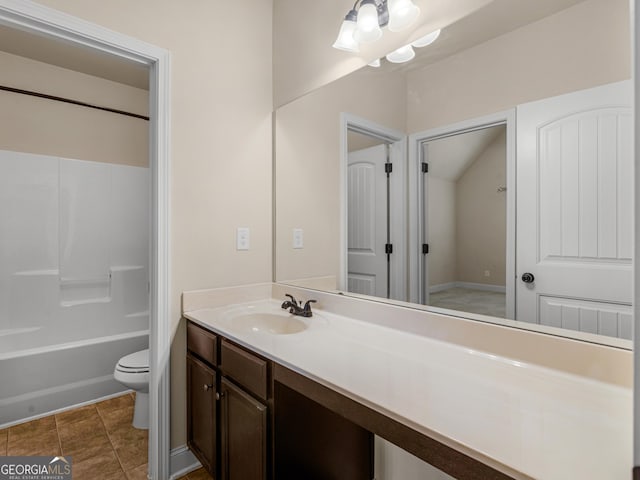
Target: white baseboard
{"type": "Point", "coordinates": [181, 462]}
{"type": "Point", "coordinates": [442, 286]}
{"type": "Point", "coordinates": [473, 286]}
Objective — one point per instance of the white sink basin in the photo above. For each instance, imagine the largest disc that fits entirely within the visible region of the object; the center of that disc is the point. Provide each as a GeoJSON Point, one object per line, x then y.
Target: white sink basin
{"type": "Point", "coordinates": [271, 323]}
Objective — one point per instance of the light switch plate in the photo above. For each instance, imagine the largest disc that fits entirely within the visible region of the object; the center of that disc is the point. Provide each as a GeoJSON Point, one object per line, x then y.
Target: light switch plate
{"type": "Point", "coordinates": [298, 238]}
{"type": "Point", "coordinates": [242, 238]}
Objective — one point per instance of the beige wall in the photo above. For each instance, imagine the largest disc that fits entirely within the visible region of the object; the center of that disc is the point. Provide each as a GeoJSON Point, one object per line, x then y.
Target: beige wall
{"type": "Point", "coordinates": [307, 134]}
{"type": "Point", "coordinates": [34, 125]}
{"type": "Point", "coordinates": [481, 217]}
{"type": "Point", "coordinates": [441, 210]}
{"type": "Point", "coordinates": [580, 47]}
{"type": "Point", "coordinates": [221, 103]}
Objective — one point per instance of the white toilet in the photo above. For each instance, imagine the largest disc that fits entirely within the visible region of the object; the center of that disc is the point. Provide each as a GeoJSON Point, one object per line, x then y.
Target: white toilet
{"type": "Point", "coordinates": [133, 371]}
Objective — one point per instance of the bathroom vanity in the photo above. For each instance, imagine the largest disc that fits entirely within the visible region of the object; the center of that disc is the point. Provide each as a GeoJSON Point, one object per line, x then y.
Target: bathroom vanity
{"type": "Point", "coordinates": [473, 404]}
{"type": "Point", "coordinates": [245, 423]}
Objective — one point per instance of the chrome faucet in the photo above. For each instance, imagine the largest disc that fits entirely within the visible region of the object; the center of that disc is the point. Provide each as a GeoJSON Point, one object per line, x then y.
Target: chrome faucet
{"type": "Point", "coordinates": [295, 307]}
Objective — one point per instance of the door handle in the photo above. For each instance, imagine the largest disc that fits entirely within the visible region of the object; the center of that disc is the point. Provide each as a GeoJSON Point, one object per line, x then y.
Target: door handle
{"type": "Point", "coordinates": [528, 277]}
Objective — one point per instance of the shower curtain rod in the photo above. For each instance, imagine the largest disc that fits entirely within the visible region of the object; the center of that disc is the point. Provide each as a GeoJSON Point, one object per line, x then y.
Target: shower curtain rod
{"type": "Point", "coordinates": [68, 100]}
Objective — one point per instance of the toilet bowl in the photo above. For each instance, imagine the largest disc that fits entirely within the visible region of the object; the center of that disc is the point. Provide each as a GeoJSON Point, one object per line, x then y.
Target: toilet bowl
{"type": "Point", "coordinates": [133, 371]}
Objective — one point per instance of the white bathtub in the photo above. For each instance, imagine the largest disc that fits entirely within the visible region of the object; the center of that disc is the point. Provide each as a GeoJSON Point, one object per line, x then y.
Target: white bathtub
{"type": "Point", "coordinates": [74, 276]}
{"type": "Point", "coordinates": [41, 380]}
{"type": "Point", "coordinates": [63, 354]}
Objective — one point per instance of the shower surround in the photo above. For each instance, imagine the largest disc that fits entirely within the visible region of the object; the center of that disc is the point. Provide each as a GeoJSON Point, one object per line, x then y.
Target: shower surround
{"type": "Point", "coordinates": [74, 276]}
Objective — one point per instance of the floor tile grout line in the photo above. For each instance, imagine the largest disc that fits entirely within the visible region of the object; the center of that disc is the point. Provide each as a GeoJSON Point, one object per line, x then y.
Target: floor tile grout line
{"type": "Point", "coordinates": [111, 442]}
{"type": "Point", "coordinates": [55, 420]}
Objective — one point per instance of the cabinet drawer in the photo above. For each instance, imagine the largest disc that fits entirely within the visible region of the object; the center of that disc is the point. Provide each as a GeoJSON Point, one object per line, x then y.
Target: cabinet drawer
{"type": "Point", "coordinates": [202, 343]}
{"type": "Point", "coordinates": [245, 368]}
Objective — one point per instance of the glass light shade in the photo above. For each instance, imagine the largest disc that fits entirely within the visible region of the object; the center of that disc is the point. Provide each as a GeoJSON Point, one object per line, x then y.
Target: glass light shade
{"type": "Point", "coordinates": [346, 40]}
{"type": "Point", "coordinates": [402, 13]}
{"type": "Point", "coordinates": [401, 55]}
{"type": "Point", "coordinates": [368, 27]}
{"type": "Point", "coordinates": [375, 63]}
{"type": "Point", "coordinates": [426, 40]}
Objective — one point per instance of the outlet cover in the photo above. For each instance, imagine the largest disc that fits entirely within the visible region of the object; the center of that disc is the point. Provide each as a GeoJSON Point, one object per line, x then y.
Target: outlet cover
{"type": "Point", "coordinates": [242, 238]}
{"type": "Point", "coordinates": [298, 238]}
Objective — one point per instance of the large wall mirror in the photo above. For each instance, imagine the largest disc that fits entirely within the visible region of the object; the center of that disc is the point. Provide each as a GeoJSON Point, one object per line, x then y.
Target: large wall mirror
{"type": "Point", "coordinates": [489, 178]}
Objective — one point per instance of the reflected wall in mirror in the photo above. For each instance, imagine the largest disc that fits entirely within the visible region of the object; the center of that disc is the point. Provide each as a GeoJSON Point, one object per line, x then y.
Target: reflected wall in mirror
{"type": "Point", "coordinates": [449, 83]}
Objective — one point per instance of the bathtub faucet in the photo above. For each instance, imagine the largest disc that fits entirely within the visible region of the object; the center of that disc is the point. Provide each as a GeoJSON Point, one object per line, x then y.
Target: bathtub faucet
{"type": "Point", "coordinates": [294, 306]}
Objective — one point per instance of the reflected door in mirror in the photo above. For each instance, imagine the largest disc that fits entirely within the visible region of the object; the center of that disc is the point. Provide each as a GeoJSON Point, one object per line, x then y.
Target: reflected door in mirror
{"type": "Point", "coordinates": [575, 210]}
{"type": "Point", "coordinates": [367, 218]}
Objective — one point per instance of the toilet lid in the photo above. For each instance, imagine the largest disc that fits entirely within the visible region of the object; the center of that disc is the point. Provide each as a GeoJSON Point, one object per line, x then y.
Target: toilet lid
{"type": "Point", "coordinates": [137, 362]}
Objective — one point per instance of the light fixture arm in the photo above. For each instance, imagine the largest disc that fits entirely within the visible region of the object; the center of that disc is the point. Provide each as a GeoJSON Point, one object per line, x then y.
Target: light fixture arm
{"type": "Point", "coordinates": [381, 7]}
{"type": "Point", "coordinates": [363, 23]}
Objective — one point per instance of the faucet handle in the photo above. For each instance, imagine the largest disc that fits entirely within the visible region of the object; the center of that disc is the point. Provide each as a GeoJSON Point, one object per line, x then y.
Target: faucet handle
{"type": "Point", "coordinates": [293, 300]}
{"type": "Point", "coordinates": [307, 306]}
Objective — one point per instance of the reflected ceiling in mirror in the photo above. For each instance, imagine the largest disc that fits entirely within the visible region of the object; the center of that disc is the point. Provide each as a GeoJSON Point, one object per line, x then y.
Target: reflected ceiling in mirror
{"type": "Point", "coordinates": [505, 55]}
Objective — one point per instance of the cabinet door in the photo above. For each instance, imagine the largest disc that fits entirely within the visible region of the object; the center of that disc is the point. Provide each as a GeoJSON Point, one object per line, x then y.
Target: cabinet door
{"type": "Point", "coordinates": [243, 435]}
{"type": "Point", "coordinates": [201, 412]}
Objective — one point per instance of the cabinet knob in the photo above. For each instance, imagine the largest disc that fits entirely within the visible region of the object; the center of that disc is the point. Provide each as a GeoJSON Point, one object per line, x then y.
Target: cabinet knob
{"type": "Point", "coordinates": [219, 395]}
{"type": "Point", "coordinates": [206, 387]}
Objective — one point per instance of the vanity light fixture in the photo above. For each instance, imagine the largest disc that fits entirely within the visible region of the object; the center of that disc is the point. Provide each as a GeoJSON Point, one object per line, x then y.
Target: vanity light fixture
{"type": "Point", "coordinates": [346, 37]}
{"type": "Point", "coordinates": [364, 22]}
{"type": "Point", "coordinates": [402, 13]}
{"type": "Point", "coordinates": [406, 53]}
{"type": "Point", "coordinates": [401, 55]}
{"type": "Point", "coordinates": [427, 39]}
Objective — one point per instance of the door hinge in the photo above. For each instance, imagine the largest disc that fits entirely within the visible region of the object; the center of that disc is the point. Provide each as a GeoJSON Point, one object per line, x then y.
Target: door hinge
{"type": "Point", "coordinates": [425, 248]}
{"type": "Point", "coordinates": [388, 167]}
{"type": "Point", "coordinates": [388, 248]}
{"type": "Point", "coordinates": [425, 167]}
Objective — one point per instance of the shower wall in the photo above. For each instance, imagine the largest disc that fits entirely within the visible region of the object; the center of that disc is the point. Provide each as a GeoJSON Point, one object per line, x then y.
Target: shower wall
{"type": "Point", "coordinates": [74, 255]}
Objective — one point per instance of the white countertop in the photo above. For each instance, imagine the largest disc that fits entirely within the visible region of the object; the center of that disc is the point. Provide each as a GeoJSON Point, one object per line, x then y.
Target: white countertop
{"type": "Point", "coordinates": [539, 422]}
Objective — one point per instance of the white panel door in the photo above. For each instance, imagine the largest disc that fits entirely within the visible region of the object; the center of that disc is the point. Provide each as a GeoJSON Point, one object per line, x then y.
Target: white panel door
{"type": "Point", "coordinates": [367, 222]}
{"type": "Point", "coordinates": [575, 210]}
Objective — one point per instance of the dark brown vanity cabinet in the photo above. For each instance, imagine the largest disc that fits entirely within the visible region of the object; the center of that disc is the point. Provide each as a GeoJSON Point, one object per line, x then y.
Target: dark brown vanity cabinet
{"type": "Point", "coordinates": [202, 416]}
{"type": "Point", "coordinates": [202, 395]}
{"type": "Point", "coordinates": [243, 444]}
{"type": "Point", "coordinates": [244, 391]}
{"type": "Point", "coordinates": [227, 413]}
{"type": "Point", "coordinates": [244, 425]}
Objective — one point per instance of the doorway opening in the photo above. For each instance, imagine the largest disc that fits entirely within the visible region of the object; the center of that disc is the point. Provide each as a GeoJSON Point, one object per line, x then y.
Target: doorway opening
{"type": "Point", "coordinates": [465, 209]}
{"type": "Point", "coordinates": [52, 24]}
{"type": "Point", "coordinates": [465, 221]}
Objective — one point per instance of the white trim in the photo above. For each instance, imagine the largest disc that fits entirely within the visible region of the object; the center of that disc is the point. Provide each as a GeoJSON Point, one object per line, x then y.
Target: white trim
{"type": "Point", "coordinates": [417, 227]}
{"type": "Point", "coordinates": [350, 122]}
{"type": "Point", "coordinates": [635, 49]}
{"type": "Point", "coordinates": [182, 461]}
{"type": "Point", "coordinates": [442, 286]}
{"type": "Point", "coordinates": [32, 17]}
{"type": "Point", "coordinates": [470, 285]}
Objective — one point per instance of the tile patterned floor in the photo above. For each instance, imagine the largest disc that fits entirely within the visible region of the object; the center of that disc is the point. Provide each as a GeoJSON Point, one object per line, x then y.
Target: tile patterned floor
{"type": "Point", "coordinates": [200, 474]}
{"type": "Point", "coordinates": [99, 437]}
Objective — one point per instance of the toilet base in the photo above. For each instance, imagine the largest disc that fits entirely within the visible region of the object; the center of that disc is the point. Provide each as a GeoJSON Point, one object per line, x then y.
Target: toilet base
{"type": "Point", "coordinates": [141, 411]}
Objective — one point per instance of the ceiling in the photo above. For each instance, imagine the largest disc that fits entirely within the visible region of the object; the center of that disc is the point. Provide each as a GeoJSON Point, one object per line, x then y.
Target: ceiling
{"type": "Point", "coordinates": [73, 57]}
{"type": "Point", "coordinates": [495, 19]}
{"type": "Point", "coordinates": [450, 157]}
